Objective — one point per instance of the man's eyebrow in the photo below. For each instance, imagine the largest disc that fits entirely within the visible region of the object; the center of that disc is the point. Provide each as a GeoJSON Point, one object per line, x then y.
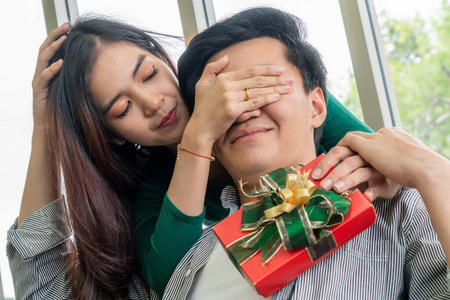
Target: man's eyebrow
{"type": "Point", "coordinates": [136, 69]}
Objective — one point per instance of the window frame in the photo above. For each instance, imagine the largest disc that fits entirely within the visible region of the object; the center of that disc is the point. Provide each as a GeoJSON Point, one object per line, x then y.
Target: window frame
{"type": "Point", "coordinates": [373, 79]}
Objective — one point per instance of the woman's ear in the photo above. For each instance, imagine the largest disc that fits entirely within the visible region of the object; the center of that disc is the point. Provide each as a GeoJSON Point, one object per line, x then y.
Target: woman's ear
{"type": "Point", "coordinates": [318, 107]}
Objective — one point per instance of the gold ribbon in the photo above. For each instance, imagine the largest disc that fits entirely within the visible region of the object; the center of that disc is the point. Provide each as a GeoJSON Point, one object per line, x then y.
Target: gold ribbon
{"type": "Point", "coordinates": [297, 192]}
{"type": "Point", "coordinates": [281, 216]}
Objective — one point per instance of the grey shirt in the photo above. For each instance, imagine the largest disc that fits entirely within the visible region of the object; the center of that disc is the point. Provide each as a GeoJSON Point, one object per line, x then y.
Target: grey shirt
{"type": "Point", "coordinates": [35, 250]}
{"type": "Point", "coordinates": [397, 258]}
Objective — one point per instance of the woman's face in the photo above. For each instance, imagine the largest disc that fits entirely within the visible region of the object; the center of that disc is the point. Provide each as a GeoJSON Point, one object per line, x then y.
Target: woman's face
{"type": "Point", "coordinates": [139, 95]}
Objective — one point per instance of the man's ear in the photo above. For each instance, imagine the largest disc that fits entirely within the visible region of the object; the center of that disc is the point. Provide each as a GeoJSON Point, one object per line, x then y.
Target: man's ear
{"type": "Point", "coordinates": [318, 107]}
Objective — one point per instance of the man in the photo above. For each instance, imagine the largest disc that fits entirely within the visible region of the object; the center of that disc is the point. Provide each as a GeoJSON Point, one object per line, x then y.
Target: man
{"type": "Point", "coordinates": [398, 257]}
{"type": "Point", "coordinates": [276, 136]}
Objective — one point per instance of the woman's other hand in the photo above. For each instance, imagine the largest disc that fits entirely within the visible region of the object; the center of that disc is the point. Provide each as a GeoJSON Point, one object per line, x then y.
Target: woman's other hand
{"type": "Point", "coordinates": [403, 158]}
{"type": "Point", "coordinates": [353, 171]}
{"type": "Point", "coordinates": [399, 156]}
{"type": "Point", "coordinates": [45, 72]}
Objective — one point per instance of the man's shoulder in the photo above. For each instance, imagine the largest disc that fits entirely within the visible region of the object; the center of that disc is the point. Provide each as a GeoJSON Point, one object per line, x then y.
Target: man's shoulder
{"type": "Point", "coordinates": [230, 198]}
{"type": "Point", "coordinates": [404, 208]}
{"type": "Point", "coordinates": [405, 197]}
{"type": "Point", "coordinates": [407, 193]}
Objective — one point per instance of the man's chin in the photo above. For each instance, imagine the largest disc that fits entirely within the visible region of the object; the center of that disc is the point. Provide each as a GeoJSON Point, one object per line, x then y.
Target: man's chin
{"type": "Point", "coordinates": [251, 168]}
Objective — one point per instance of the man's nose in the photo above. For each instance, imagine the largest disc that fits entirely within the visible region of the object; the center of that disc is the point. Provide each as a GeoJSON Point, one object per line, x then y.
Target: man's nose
{"type": "Point", "coordinates": [248, 115]}
{"type": "Point", "coordinates": [152, 103]}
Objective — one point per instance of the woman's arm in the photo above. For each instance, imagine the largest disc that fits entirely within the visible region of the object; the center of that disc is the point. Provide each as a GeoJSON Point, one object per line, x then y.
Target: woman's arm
{"type": "Point", "coordinates": [406, 160]}
{"type": "Point", "coordinates": [220, 99]}
{"type": "Point", "coordinates": [35, 254]}
{"type": "Point", "coordinates": [37, 239]}
{"type": "Point", "coordinates": [339, 121]}
{"type": "Point", "coordinates": [353, 171]}
{"type": "Point", "coordinates": [41, 186]}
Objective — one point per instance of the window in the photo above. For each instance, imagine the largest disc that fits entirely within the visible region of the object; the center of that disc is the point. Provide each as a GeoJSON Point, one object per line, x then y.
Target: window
{"type": "Point", "coordinates": [163, 18]}
{"type": "Point", "coordinates": [22, 30]}
{"type": "Point", "coordinates": [326, 33]}
{"type": "Point", "coordinates": [416, 42]}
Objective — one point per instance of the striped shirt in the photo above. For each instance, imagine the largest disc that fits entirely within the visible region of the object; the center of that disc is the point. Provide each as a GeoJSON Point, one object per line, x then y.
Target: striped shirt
{"type": "Point", "coordinates": [35, 251]}
{"type": "Point", "coordinates": [399, 257]}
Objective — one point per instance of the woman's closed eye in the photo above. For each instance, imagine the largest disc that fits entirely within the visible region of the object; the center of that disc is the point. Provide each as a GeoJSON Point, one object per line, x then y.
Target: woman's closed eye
{"type": "Point", "coordinates": [155, 71]}
{"type": "Point", "coordinates": [129, 103]}
{"type": "Point", "coordinates": [125, 111]}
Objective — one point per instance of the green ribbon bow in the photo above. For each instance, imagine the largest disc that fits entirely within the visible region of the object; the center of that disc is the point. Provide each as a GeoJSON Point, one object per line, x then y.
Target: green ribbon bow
{"type": "Point", "coordinates": [299, 226]}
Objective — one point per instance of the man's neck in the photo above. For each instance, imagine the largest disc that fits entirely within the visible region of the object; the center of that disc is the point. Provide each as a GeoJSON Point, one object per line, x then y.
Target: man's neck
{"type": "Point", "coordinates": [250, 173]}
{"type": "Point", "coordinates": [252, 184]}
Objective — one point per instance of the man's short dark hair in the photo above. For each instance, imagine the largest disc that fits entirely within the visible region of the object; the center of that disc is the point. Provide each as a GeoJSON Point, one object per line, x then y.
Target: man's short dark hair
{"type": "Point", "coordinates": [246, 25]}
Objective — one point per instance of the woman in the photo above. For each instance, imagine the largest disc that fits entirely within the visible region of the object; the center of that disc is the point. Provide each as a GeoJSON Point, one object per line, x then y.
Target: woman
{"type": "Point", "coordinates": [97, 152]}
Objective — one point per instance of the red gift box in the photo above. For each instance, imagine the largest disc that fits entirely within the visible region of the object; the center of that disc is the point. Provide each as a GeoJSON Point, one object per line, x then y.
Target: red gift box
{"type": "Point", "coordinates": [286, 265]}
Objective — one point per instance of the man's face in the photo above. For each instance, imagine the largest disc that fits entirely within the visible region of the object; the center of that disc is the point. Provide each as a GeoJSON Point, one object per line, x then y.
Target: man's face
{"type": "Point", "coordinates": [277, 135]}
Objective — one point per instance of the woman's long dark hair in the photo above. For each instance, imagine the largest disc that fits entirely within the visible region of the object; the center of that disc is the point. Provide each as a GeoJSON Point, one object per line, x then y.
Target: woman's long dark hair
{"type": "Point", "coordinates": [98, 176]}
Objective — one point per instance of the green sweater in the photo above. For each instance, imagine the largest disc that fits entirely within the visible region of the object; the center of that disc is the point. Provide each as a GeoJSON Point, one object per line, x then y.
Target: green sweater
{"type": "Point", "coordinates": [163, 234]}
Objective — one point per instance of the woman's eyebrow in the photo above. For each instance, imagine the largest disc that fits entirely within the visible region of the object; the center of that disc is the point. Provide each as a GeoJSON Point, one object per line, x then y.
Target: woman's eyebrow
{"type": "Point", "coordinates": [136, 69]}
{"type": "Point", "coordinates": [138, 64]}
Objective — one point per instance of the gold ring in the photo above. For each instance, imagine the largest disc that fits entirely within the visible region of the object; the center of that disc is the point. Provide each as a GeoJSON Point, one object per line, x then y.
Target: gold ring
{"type": "Point", "coordinates": [248, 94]}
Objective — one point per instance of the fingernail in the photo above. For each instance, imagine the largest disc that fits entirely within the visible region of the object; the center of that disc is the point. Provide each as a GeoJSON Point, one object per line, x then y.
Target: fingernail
{"type": "Point", "coordinates": [316, 173]}
{"type": "Point", "coordinates": [288, 79]}
{"type": "Point", "coordinates": [339, 186]}
{"type": "Point", "coordinates": [274, 96]}
{"type": "Point", "coordinates": [326, 184]}
{"type": "Point", "coordinates": [369, 195]}
{"type": "Point", "coordinates": [279, 70]}
{"type": "Point", "coordinates": [285, 88]}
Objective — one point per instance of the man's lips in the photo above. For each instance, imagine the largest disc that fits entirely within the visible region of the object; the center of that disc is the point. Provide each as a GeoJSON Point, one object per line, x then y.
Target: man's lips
{"type": "Point", "coordinates": [246, 134]}
{"type": "Point", "coordinates": [169, 119]}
